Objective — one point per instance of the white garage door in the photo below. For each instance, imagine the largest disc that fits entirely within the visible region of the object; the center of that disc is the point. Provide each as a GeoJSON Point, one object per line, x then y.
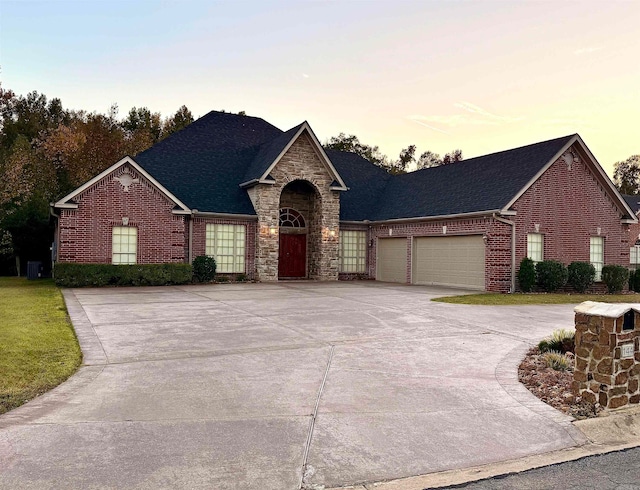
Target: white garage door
{"type": "Point", "coordinates": [392, 260]}
{"type": "Point", "coordinates": [449, 261]}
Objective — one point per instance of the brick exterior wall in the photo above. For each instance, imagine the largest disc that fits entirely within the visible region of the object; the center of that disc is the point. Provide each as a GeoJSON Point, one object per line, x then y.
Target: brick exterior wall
{"type": "Point", "coordinates": [570, 204]}
{"type": "Point", "coordinates": [498, 244]}
{"type": "Point", "coordinates": [84, 234]}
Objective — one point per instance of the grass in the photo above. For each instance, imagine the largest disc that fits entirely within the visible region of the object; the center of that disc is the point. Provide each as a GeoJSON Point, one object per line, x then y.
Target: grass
{"type": "Point", "coordinates": [38, 347]}
{"type": "Point", "coordinates": [537, 298]}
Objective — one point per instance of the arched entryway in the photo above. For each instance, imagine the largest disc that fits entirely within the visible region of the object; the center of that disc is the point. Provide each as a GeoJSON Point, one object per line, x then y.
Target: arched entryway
{"type": "Point", "coordinates": [298, 230]}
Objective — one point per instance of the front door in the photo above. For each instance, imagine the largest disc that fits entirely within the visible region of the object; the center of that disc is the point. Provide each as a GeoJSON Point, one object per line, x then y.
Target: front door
{"type": "Point", "coordinates": [292, 259]}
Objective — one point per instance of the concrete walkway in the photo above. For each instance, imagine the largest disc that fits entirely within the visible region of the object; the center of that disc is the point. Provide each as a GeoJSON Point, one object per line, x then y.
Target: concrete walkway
{"type": "Point", "coordinates": [257, 385]}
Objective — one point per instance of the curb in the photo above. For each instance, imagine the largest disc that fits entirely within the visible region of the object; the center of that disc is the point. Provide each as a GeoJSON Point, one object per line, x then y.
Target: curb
{"type": "Point", "coordinates": [613, 431]}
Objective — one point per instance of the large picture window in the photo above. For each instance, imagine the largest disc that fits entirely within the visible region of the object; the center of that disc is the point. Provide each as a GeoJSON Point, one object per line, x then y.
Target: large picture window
{"type": "Point", "coordinates": [124, 245]}
{"type": "Point", "coordinates": [226, 243]}
{"type": "Point", "coordinates": [535, 247]}
{"type": "Point", "coordinates": [353, 251]}
{"type": "Point", "coordinates": [596, 255]}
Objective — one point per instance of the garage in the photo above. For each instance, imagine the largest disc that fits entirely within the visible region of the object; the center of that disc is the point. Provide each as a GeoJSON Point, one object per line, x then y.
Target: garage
{"type": "Point", "coordinates": [449, 261]}
{"type": "Point", "coordinates": [392, 260]}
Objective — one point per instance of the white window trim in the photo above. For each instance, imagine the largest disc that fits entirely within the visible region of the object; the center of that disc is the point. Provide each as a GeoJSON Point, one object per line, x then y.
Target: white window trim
{"type": "Point", "coordinates": [117, 254]}
{"type": "Point", "coordinates": [357, 253]}
{"type": "Point", "coordinates": [237, 264]}
{"type": "Point", "coordinates": [598, 264]}
{"type": "Point", "coordinates": [530, 242]}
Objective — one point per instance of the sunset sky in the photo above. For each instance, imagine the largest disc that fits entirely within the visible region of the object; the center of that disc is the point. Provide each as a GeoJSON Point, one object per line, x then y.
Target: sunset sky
{"type": "Point", "coordinates": [481, 76]}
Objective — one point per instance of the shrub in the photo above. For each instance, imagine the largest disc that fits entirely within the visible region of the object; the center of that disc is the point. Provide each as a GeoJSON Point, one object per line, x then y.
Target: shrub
{"type": "Point", "coordinates": [222, 279]}
{"type": "Point", "coordinates": [556, 361]}
{"type": "Point", "coordinates": [551, 275]}
{"type": "Point", "coordinates": [581, 275]}
{"type": "Point", "coordinates": [204, 268]}
{"type": "Point", "coordinates": [241, 278]}
{"type": "Point", "coordinates": [560, 340]}
{"type": "Point", "coordinates": [96, 275]}
{"type": "Point", "coordinates": [634, 281]}
{"type": "Point", "coordinates": [615, 277]}
{"type": "Point", "coordinates": [527, 274]}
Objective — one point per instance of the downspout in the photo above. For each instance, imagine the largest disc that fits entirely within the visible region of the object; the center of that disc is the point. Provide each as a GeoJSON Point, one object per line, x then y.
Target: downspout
{"type": "Point", "coordinates": [190, 251]}
{"type": "Point", "coordinates": [513, 249]}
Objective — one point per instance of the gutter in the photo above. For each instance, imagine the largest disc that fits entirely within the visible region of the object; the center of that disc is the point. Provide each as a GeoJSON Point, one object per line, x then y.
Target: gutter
{"type": "Point", "coordinates": [207, 214]}
{"type": "Point", "coordinates": [437, 218]}
{"type": "Point", "coordinates": [513, 249]}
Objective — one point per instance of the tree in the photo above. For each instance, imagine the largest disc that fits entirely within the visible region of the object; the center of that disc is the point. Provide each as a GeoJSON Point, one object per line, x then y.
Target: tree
{"type": "Point", "coordinates": [142, 120]}
{"type": "Point", "coordinates": [351, 143]}
{"type": "Point", "coordinates": [452, 157]}
{"type": "Point", "coordinates": [406, 158]}
{"type": "Point", "coordinates": [626, 175]}
{"type": "Point", "coordinates": [429, 159]}
{"type": "Point", "coordinates": [181, 119]}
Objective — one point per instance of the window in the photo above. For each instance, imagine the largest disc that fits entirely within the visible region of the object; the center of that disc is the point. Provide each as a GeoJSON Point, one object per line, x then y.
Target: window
{"type": "Point", "coordinates": [124, 245]}
{"type": "Point", "coordinates": [596, 254]}
{"type": "Point", "coordinates": [226, 244]}
{"type": "Point", "coordinates": [291, 218]}
{"type": "Point", "coordinates": [634, 256]}
{"type": "Point", "coordinates": [535, 247]}
{"type": "Point", "coordinates": [353, 251]}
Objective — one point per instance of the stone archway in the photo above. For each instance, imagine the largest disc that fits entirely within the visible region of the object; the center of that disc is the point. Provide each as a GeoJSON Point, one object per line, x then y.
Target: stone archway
{"type": "Point", "coordinates": [299, 230]}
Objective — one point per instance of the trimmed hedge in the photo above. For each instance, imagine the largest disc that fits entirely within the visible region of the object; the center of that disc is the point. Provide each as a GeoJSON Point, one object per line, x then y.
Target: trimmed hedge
{"type": "Point", "coordinates": [615, 277]}
{"type": "Point", "coordinates": [634, 280]}
{"type": "Point", "coordinates": [204, 268]}
{"type": "Point", "coordinates": [551, 275]}
{"type": "Point", "coordinates": [73, 275]}
{"type": "Point", "coordinates": [581, 275]}
{"type": "Point", "coordinates": [527, 274]}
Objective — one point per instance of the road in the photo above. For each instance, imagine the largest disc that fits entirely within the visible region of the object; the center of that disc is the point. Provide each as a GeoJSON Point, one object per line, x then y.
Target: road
{"type": "Point", "coordinates": [613, 471]}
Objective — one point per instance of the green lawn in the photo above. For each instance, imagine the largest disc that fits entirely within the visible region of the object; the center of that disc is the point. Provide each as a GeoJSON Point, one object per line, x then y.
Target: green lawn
{"type": "Point", "coordinates": [38, 347]}
{"type": "Point", "coordinates": [537, 298]}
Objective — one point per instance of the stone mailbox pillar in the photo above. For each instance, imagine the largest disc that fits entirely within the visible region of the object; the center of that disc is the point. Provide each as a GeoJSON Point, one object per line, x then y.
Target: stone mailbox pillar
{"type": "Point", "coordinates": [607, 361]}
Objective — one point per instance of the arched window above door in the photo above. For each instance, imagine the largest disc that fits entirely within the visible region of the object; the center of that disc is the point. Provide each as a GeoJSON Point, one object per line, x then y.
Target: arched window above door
{"type": "Point", "coordinates": [291, 218]}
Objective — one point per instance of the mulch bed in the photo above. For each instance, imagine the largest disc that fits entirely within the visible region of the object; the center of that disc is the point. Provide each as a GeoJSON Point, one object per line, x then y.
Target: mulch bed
{"type": "Point", "coordinates": [554, 387]}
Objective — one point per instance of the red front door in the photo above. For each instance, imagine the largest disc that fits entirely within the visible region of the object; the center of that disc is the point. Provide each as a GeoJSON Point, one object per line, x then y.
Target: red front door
{"type": "Point", "coordinates": [292, 259]}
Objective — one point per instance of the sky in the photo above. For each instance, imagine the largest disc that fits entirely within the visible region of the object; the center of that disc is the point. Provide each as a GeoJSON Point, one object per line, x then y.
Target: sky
{"type": "Point", "coordinates": [481, 76]}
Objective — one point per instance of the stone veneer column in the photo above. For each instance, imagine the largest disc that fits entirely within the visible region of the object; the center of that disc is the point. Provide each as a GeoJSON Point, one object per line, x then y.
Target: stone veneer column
{"type": "Point", "coordinates": [300, 162]}
{"type": "Point", "coordinates": [604, 372]}
{"type": "Point", "coordinates": [266, 203]}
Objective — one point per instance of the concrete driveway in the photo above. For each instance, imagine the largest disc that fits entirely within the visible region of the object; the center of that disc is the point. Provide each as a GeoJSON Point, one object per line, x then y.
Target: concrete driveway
{"type": "Point", "coordinates": [253, 386]}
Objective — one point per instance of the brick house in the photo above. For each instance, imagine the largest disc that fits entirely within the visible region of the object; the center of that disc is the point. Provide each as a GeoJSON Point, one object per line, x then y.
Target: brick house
{"type": "Point", "coordinates": [275, 205]}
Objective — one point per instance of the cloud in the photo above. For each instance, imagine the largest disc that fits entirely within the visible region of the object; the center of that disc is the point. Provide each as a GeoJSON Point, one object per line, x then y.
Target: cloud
{"type": "Point", "coordinates": [474, 109]}
{"type": "Point", "coordinates": [419, 120]}
{"type": "Point", "coordinates": [473, 115]}
{"type": "Point", "coordinates": [304, 75]}
{"type": "Point", "coordinates": [589, 50]}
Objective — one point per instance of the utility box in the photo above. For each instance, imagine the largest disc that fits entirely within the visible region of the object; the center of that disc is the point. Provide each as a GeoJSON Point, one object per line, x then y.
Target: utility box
{"type": "Point", "coordinates": [34, 270]}
{"type": "Point", "coordinates": [607, 354]}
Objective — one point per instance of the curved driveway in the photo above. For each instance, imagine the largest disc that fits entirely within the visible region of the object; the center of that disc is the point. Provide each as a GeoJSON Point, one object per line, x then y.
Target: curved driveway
{"type": "Point", "coordinates": [252, 386]}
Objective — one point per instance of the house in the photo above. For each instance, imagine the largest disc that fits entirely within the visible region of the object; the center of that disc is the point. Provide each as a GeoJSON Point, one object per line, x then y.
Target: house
{"type": "Point", "coordinates": [273, 204]}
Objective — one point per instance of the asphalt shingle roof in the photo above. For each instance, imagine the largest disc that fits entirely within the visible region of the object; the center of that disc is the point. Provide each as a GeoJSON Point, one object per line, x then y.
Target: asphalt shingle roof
{"type": "Point", "coordinates": [204, 164]}
{"type": "Point", "coordinates": [478, 184]}
{"type": "Point", "coordinates": [633, 202]}
{"type": "Point", "coordinates": [268, 153]}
